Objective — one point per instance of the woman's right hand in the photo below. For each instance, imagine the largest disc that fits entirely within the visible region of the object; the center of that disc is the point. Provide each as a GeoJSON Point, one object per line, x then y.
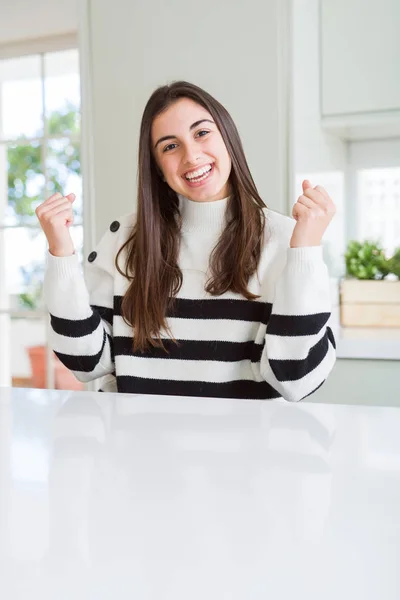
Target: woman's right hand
{"type": "Point", "coordinates": [55, 217]}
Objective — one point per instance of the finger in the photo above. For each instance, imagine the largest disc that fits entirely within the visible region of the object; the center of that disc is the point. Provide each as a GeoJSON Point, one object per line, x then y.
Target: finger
{"type": "Point", "coordinates": [55, 196]}
{"type": "Point", "coordinates": [316, 196]}
{"type": "Point", "coordinates": [321, 202]}
{"type": "Point", "coordinates": [306, 201]}
{"type": "Point", "coordinates": [66, 206]}
{"type": "Point", "coordinates": [306, 185]}
{"type": "Point", "coordinates": [71, 197]}
{"type": "Point", "coordinates": [46, 208]}
{"type": "Point", "coordinates": [64, 215]}
{"type": "Point", "coordinates": [322, 190]}
{"type": "Point", "coordinates": [299, 211]}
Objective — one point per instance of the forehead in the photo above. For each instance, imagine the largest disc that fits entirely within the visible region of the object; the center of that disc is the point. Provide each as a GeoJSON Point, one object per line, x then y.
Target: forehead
{"type": "Point", "coordinates": [178, 117]}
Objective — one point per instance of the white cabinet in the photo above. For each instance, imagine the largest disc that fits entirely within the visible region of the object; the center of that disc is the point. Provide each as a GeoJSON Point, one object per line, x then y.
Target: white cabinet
{"type": "Point", "coordinates": [360, 66]}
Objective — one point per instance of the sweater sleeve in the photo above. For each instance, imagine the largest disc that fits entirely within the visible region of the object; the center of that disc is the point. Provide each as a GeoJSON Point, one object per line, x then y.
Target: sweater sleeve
{"type": "Point", "coordinates": [81, 312]}
{"type": "Point", "coordinates": [299, 350]}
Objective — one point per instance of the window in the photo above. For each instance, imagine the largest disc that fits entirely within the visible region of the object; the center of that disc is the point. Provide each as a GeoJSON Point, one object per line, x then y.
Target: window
{"type": "Point", "coordinates": [378, 206]}
{"type": "Point", "coordinates": [373, 192]}
{"type": "Point", "coordinates": [367, 197]}
{"type": "Point", "coordinates": [39, 155]}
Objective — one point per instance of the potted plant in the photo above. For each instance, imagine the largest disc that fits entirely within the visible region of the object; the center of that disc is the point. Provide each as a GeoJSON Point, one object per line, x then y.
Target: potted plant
{"type": "Point", "coordinates": [370, 293]}
{"type": "Point", "coordinates": [63, 377]}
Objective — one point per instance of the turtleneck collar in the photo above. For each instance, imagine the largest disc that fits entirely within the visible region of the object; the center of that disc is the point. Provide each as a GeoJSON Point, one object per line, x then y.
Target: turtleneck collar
{"type": "Point", "coordinates": [202, 216]}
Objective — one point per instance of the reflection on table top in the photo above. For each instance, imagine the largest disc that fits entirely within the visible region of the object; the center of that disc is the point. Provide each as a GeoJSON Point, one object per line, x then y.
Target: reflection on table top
{"type": "Point", "coordinates": [113, 496]}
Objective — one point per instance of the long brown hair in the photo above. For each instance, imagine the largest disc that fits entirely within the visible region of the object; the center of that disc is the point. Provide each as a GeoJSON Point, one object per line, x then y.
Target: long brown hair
{"type": "Point", "coordinates": [152, 249]}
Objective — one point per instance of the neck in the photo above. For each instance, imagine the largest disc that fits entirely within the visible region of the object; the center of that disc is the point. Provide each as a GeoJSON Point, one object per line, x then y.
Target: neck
{"type": "Point", "coordinates": [203, 216]}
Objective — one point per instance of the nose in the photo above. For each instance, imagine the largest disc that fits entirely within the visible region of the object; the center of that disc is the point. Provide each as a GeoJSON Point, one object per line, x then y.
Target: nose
{"type": "Point", "coordinates": [191, 155]}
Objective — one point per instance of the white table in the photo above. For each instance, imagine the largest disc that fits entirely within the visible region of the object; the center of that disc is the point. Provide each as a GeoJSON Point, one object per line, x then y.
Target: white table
{"type": "Point", "coordinates": [112, 496]}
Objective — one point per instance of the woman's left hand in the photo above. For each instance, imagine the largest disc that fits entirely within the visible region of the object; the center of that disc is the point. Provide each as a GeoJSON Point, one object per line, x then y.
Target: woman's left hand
{"type": "Point", "coordinates": [313, 211]}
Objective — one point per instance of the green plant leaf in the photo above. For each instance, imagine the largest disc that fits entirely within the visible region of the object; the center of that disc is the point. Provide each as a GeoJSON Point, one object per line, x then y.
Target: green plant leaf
{"type": "Point", "coordinates": [394, 263]}
{"type": "Point", "coordinates": [366, 260]}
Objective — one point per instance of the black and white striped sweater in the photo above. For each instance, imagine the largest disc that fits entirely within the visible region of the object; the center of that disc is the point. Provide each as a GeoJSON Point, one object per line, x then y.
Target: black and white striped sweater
{"type": "Point", "coordinates": [276, 346]}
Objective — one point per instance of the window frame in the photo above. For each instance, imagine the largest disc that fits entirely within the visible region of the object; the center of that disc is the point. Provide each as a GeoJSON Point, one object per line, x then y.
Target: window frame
{"type": "Point", "coordinates": [41, 47]}
{"type": "Point", "coordinates": [365, 154]}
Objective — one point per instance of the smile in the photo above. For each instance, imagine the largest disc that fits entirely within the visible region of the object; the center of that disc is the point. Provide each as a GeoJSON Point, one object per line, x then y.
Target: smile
{"type": "Point", "coordinates": [199, 175]}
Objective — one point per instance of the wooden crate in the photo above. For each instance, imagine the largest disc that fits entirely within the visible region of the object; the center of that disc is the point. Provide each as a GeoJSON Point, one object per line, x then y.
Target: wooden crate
{"type": "Point", "coordinates": [369, 303]}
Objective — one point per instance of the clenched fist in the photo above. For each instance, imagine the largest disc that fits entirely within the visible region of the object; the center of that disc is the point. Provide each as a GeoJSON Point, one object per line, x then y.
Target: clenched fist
{"type": "Point", "coordinates": [313, 211]}
{"type": "Point", "coordinates": [56, 216]}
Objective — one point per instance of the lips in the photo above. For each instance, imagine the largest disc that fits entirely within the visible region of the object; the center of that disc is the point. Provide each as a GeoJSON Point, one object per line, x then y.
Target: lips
{"type": "Point", "coordinates": [200, 170]}
{"type": "Point", "coordinates": [202, 179]}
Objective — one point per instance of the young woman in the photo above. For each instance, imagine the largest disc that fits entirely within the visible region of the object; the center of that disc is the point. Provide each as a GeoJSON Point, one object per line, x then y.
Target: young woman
{"type": "Point", "coordinates": [203, 291]}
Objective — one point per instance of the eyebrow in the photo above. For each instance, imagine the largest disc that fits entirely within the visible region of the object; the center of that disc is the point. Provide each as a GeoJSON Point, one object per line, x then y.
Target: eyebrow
{"type": "Point", "coordinates": [173, 137]}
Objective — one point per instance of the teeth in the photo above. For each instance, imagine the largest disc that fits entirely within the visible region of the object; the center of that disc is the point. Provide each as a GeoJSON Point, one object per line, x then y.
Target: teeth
{"type": "Point", "coordinates": [198, 173]}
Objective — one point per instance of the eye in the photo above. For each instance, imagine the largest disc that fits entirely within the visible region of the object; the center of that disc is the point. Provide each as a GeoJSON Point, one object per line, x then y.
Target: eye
{"type": "Point", "coordinates": [169, 147]}
{"type": "Point", "coordinates": [202, 133]}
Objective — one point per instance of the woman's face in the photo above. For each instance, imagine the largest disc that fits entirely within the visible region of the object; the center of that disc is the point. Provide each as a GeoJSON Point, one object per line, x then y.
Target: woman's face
{"type": "Point", "coordinates": [190, 152]}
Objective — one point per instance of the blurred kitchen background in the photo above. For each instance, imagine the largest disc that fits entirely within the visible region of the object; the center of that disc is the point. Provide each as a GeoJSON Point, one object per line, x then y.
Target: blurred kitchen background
{"type": "Point", "coordinates": [314, 88]}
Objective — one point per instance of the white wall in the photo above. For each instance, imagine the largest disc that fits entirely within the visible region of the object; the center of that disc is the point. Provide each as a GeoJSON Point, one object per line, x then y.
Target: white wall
{"type": "Point", "coordinates": [235, 50]}
{"type": "Point", "coordinates": [314, 149]}
{"type": "Point", "coordinates": [317, 155]}
{"type": "Point", "coordinates": [352, 381]}
{"type": "Point", "coordinates": [28, 19]}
